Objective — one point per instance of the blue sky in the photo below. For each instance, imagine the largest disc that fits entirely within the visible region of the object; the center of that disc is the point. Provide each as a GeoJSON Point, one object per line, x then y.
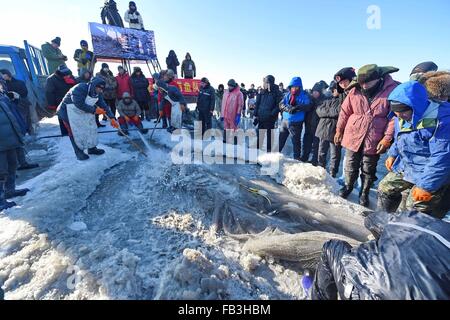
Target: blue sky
{"type": "Point", "coordinates": [248, 39]}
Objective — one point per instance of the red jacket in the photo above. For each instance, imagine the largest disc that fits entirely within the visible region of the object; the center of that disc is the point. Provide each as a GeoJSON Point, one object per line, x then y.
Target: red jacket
{"type": "Point", "coordinates": [124, 85]}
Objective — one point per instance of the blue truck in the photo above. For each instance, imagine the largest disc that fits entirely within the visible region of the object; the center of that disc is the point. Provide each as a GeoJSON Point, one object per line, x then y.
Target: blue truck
{"type": "Point", "coordinates": [29, 65]}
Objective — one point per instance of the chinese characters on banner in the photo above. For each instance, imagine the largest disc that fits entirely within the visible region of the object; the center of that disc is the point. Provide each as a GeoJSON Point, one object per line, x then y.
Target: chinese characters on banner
{"type": "Point", "coordinates": [188, 87]}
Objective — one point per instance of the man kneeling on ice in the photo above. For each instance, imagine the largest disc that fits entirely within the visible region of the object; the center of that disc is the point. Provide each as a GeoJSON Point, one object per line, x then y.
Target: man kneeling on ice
{"type": "Point", "coordinates": [408, 260]}
{"type": "Point", "coordinates": [419, 160]}
{"type": "Point", "coordinates": [130, 113]}
{"type": "Point", "coordinates": [78, 110]}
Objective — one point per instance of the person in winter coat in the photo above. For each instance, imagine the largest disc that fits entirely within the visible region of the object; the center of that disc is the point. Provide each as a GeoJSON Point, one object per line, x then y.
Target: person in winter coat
{"type": "Point", "coordinates": [53, 54]}
{"type": "Point", "coordinates": [419, 159]}
{"type": "Point", "coordinates": [172, 94]}
{"type": "Point", "coordinates": [77, 110]}
{"type": "Point", "coordinates": [206, 102]}
{"type": "Point", "coordinates": [188, 69]}
{"type": "Point", "coordinates": [438, 88]}
{"type": "Point", "coordinates": [232, 106]}
{"type": "Point", "coordinates": [110, 92]}
{"type": "Point", "coordinates": [130, 113]}
{"type": "Point", "coordinates": [364, 127]}
{"type": "Point", "coordinates": [110, 15]}
{"type": "Point", "coordinates": [11, 138]}
{"type": "Point", "coordinates": [437, 85]}
{"type": "Point", "coordinates": [86, 77]}
{"type": "Point", "coordinates": [267, 109]}
{"type": "Point", "coordinates": [18, 94]}
{"type": "Point", "coordinates": [421, 69]}
{"type": "Point", "coordinates": [295, 105]}
{"type": "Point", "coordinates": [172, 62]}
{"type": "Point", "coordinates": [219, 98]}
{"type": "Point", "coordinates": [168, 76]}
{"type": "Point", "coordinates": [310, 141]}
{"type": "Point", "coordinates": [328, 114]}
{"type": "Point", "coordinates": [123, 82]}
{"type": "Point", "coordinates": [57, 86]}
{"type": "Point", "coordinates": [133, 17]}
{"type": "Point", "coordinates": [408, 260]}
{"type": "Point", "coordinates": [245, 94]}
{"type": "Point", "coordinates": [140, 92]}
{"type": "Point", "coordinates": [84, 58]}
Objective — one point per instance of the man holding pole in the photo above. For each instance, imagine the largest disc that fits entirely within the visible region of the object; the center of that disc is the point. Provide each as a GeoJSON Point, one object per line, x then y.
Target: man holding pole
{"type": "Point", "coordinates": [77, 111]}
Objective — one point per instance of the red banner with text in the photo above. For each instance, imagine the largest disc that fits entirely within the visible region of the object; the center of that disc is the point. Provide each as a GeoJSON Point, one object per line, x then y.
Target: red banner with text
{"type": "Point", "coordinates": [188, 87]}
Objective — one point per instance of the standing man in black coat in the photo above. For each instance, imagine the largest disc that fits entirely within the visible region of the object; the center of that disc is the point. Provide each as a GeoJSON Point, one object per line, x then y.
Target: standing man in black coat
{"type": "Point", "coordinates": [328, 114]}
{"type": "Point", "coordinates": [310, 142]}
{"type": "Point", "coordinates": [172, 62]}
{"type": "Point", "coordinates": [18, 93]}
{"type": "Point", "coordinates": [266, 110]}
{"type": "Point", "coordinates": [11, 138]}
{"type": "Point", "coordinates": [206, 103]}
{"type": "Point", "coordinates": [140, 92]}
{"type": "Point", "coordinates": [58, 84]}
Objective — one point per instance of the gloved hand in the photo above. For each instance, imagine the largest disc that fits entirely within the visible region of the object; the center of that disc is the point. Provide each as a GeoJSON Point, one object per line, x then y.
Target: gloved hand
{"type": "Point", "coordinates": [255, 122]}
{"type": "Point", "coordinates": [421, 195]}
{"type": "Point", "coordinates": [127, 119]}
{"type": "Point", "coordinates": [12, 95]}
{"type": "Point", "coordinates": [222, 119]}
{"type": "Point", "coordinates": [238, 119]}
{"type": "Point", "coordinates": [383, 146]}
{"type": "Point", "coordinates": [293, 110]}
{"type": "Point", "coordinates": [338, 138]}
{"type": "Point", "coordinates": [390, 163]}
{"type": "Point", "coordinates": [65, 58]}
{"type": "Point", "coordinates": [114, 124]}
{"type": "Point", "coordinates": [100, 111]}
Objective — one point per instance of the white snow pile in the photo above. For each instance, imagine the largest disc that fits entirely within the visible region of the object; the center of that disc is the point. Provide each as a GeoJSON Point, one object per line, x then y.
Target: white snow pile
{"type": "Point", "coordinates": [301, 178]}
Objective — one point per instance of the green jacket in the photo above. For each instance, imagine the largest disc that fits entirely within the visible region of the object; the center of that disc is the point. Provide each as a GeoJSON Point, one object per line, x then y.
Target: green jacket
{"type": "Point", "coordinates": [54, 57]}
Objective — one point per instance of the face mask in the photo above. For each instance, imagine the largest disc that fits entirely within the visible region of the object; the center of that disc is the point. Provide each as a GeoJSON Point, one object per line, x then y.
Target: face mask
{"type": "Point", "coordinates": [127, 101]}
{"type": "Point", "coordinates": [372, 91]}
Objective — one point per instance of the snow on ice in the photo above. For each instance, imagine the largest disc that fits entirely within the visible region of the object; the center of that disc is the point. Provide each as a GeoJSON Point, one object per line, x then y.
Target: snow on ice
{"type": "Point", "coordinates": [120, 226]}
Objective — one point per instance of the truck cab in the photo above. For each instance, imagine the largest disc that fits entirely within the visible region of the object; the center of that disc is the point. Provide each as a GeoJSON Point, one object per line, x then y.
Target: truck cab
{"type": "Point", "coordinates": [29, 65]}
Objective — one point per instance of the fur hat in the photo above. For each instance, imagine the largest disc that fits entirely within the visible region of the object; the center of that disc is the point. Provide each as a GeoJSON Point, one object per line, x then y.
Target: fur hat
{"type": "Point", "coordinates": [437, 84]}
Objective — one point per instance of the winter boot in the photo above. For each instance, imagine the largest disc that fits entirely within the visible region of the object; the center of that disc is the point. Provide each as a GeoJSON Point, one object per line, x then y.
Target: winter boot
{"type": "Point", "coordinates": [10, 188]}
{"type": "Point", "coordinates": [27, 166]}
{"type": "Point", "coordinates": [165, 124]}
{"type": "Point", "coordinates": [365, 191]}
{"type": "Point", "coordinates": [78, 152]}
{"type": "Point", "coordinates": [388, 203]}
{"type": "Point", "coordinates": [4, 205]}
{"type": "Point", "coordinates": [95, 151]}
{"type": "Point", "coordinates": [347, 190]}
{"type": "Point", "coordinates": [141, 129]}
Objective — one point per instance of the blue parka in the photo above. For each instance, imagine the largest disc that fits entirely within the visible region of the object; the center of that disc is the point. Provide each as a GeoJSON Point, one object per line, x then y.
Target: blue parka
{"type": "Point", "coordinates": [303, 103]}
{"type": "Point", "coordinates": [422, 148]}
